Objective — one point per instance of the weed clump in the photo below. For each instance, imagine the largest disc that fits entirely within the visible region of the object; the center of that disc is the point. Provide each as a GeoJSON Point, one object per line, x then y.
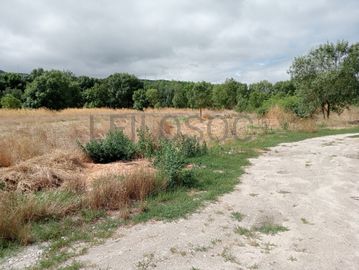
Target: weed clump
{"type": "Point", "coordinates": [146, 145]}
{"type": "Point", "coordinates": [190, 146]}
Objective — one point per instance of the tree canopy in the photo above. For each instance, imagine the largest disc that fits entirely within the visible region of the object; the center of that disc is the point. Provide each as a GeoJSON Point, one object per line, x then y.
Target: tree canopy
{"type": "Point", "coordinates": [327, 77]}
{"type": "Point", "coordinates": [54, 90]}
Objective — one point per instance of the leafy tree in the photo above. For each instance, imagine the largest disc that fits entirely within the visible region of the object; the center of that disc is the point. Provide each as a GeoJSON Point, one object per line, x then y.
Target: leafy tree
{"type": "Point", "coordinates": [86, 82]}
{"type": "Point", "coordinates": [199, 96]}
{"type": "Point", "coordinates": [54, 90]}
{"type": "Point", "coordinates": [18, 93]}
{"type": "Point", "coordinates": [140, 100]}
{"type": "Point", "coordinates": [10, 102]}
{"type": "Point", "coordinates": [153, 97]}
{"type": "Point", "coordinates": [166, 97]}
{"type": "Point", "coordinates": [35, 73]}
{"type": "Point", "coordinates": [15, 80]}
{"type": "Point", "coordinates": [258, 93]}
{"type": "Point", "coordinates": [327, 77]}
{"type": "Point", "coordinates": [180, 99]}
{"type": "Point", "coordinates": [225, 95]}
{"type": "Point", "coordinates": [242, 97]}
{"type": "Point", "coordinates": [262, 86]}
{"type": "Point", "coordinates": [97, 96]}
{"type": "Point", "coordinates": [284, 88]}
{"type": "Point", "coordinates": [121, 87]}
{"type": "Point", "coordinates": [256, 99]}
{"type": "Point", "coordinates": [167, 90]}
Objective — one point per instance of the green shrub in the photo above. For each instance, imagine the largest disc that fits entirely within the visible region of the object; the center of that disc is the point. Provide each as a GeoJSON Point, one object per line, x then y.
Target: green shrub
{"type": "Point", "coordinates": [190, 146]}
{"type": "Point", "coordinates": [115, 146]}
{"type": "Point", "coordinates": [187, 178]}
{"type": "Point", "coordinates": [288, 103]}
{"type": "Point", "coordinates": [10, 102]}
{"type": "Point", "coordinates": [171, 161]}
{"type": "Point", "coordinates": [145, 146]}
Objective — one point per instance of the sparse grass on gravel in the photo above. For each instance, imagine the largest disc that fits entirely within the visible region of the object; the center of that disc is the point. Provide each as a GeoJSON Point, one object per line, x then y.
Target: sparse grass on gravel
{"type": "Point", "coordinates": [231, 158]}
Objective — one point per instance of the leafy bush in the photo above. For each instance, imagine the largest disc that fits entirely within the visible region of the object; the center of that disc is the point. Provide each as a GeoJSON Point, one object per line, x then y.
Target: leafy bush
{"type": "Point", "coordinates": [187, 178]}
{"type": "Point", "coordinates": [171, 161]}
{"type": "Point", "coordinates": [10, 102]}
{"type": "Point", "coordinates": [115, 146]}
{"type": "Point", "coordinates": [190, 146]}
{"type": "Point", "coordinates": [288, 103]}
{"type": "Point", "coordinates": [145, 145]}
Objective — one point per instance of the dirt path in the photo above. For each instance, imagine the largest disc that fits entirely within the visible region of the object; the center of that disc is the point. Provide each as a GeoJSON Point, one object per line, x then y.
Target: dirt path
{"type": "Point", "coordinates": [310, 187]}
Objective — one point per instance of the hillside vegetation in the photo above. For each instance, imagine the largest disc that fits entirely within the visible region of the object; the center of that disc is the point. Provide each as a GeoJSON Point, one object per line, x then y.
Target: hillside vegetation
{"type": "Point", "coordinates": [325, 79]}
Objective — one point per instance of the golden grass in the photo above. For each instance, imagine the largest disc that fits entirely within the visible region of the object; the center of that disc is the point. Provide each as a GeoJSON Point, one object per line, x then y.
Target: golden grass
{"type": "Point", "coordinates": [113, 192]}
{"type": "Point", "coordinates": [18, 210]}
{"type": "Point", "coordinates": [306, 125]}
{"type": "Point", "coordinates": [14, 217]}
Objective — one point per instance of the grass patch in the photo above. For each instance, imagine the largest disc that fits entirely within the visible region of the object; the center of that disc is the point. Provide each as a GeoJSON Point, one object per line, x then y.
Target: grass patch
{"type": "Point", "coordinates": [270, 228]}
{"type": "Point", "coordinates": [244, 231]}
{"type": "Point", "coordinates": [237, 216]}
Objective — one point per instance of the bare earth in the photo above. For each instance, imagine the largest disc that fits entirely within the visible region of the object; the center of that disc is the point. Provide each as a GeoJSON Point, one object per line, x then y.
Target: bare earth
{"type": "Point", "coordinates": [311, 187]}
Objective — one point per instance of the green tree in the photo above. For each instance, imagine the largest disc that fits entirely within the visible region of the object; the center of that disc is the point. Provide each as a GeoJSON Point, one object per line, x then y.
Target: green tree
{"type": "Point", "coordinates": [140, 100]}
{"type": "Point", "coordinates": [153, 97]}
{"type": "Point", "coordinates": [199, 96]}
{"type": "Point", "coordinates": [225, 95]}
{"type": "Point", "coordinates": [54, 90]}
{"type": "Point", "coordinates": [327, 77]}
{"type": "Point", "coordinates": [10, 102]}
{"type": "Point", "coordinates": [242, 97]}
{"type": "Point", "coordinates": [121, 87]}
{"type": "Point", "coordinates": [284, 88]}
{"type": "Point", "coordinates": [96, 96]}
{"type": "Point", "coordinates": [258, 93]}
{"type": "Point", "coordinates": [35, 73]}
{"type": "Point", "coordinates": [180, 99]}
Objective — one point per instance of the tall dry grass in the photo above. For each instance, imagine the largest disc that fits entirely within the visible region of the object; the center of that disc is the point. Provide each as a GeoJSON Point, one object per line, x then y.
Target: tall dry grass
{"type": "Point", "coordinates": [113, 192]}
{"type": "Point", "coordinates": [18, 211]}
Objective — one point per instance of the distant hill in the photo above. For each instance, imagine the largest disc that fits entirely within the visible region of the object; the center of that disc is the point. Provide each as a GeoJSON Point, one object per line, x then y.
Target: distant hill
{"type": "Point", "coordinates": [1, 71]}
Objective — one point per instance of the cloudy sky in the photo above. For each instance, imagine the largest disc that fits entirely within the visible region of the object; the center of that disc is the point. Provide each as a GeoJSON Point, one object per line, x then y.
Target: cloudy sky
{"type": "Point", "coordinates": [211, 40]}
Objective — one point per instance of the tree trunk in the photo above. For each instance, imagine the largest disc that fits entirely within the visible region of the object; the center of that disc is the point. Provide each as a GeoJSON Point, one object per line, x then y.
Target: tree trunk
{"type": "Point", "coordinates": [200, 113]}
{"type": "Point", "coordinates": [328, 110]}
{"type": "Point", "coordinates": [323, 110]}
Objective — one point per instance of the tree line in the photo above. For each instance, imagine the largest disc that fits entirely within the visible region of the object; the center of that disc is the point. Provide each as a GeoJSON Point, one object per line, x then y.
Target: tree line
{"type": "Point", "coordinates": [326, 79]}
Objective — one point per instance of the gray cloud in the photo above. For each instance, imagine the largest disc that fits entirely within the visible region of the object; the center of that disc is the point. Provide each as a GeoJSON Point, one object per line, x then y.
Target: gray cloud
{"type": "Point", "coordinates": [208, 40]}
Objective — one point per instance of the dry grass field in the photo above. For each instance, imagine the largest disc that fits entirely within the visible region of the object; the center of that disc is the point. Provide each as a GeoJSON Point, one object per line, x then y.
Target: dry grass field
{"type": "Point", "coordinates": [41, 148]}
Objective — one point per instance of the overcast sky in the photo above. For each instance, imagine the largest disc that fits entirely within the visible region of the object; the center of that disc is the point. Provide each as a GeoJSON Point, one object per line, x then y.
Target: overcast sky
{"type": "Point", "coordinates": [249, 40]}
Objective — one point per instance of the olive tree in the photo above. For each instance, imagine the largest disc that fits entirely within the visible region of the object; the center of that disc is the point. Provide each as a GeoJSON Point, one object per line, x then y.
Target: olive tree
{"type": "Point", "coordinates": [327, 77]}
